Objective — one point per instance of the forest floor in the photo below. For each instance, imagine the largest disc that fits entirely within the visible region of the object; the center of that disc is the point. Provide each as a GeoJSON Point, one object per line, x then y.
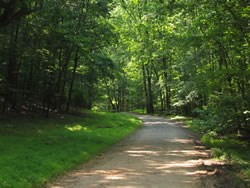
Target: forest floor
{"type": "Point", "coordinates": [161, 154]}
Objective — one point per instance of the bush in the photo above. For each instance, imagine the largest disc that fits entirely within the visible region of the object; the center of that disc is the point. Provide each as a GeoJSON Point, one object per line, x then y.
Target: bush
{"type": "Point", "coordinates": [224, 114]}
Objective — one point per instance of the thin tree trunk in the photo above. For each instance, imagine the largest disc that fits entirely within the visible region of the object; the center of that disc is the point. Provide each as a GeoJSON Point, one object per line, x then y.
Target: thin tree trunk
{"type": "Point", "coordinates": [150, 94]}
{"type": "Point", "coordinates": [167, 88]}
{"type": "Point", "coordinates": [12, 68]}
{"type": "Point", "coordinates": [64, 78]}
{"type": "Point", "coordinates": [109, 95]}
{"type": "Point", "coordinates": [72, 79]}
{"type": "Point", "coordinates": [145, 85]}
{"type": "Point", "coordinates": [160, 92]}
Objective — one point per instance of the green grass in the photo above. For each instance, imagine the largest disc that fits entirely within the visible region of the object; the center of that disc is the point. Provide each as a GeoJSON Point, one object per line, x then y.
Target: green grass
{"type": "Point", "coordinates": [192, 124]}
{"type": "Point", "coordinates": [232, 150]}
{"type": "Point", "coordinates": [139, 111]}
{"type": "Point", "coordinates": [179, 118]}
{"type": "Point", "coordinates": [226, 148]}
{"type": "Point", "coordinates": [35, 150]}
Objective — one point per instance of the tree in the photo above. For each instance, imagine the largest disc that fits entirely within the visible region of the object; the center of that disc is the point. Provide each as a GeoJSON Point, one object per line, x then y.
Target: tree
{"type": "Point", "coordinates": [193, 57]}
{"type": "Point", "coordinates": [46, 48]}
{"type": "Point", "coordinates": [14, 10]}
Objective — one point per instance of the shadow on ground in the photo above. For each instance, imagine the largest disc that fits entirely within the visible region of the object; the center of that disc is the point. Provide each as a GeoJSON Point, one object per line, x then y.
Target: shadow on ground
{"type": "Point", "coordinates": [161, 154]}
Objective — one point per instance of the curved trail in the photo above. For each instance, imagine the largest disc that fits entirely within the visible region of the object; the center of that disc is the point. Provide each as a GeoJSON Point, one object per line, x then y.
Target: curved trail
{"type": "Point", "coordinates": [161, 154]}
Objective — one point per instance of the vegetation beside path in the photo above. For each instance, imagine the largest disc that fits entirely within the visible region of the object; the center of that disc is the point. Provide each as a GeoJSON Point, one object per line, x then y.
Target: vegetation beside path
{"type": "Point", "coordinates": [229, 148]}
{"type": "Point", "coordinates": [34, 150]}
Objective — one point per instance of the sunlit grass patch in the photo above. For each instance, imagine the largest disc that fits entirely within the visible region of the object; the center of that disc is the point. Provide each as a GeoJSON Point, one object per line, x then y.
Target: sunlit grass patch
{"type": "Point", "coordinates": [139, 111]}
{"type": "Point", "coordinates": [76, 128]}
{"type": "Point", "coordinates": [181, 118]}
{"type": "Point", "coordinates": [34, 150]}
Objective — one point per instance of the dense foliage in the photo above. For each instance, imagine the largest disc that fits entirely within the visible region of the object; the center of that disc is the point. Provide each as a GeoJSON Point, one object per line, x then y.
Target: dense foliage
{"type": "Point", "coordinates": [169, 56]}
{"type": "Point", "coordinates": [193, 58]}
{"type": "Point", "coordinates": [53, 57]}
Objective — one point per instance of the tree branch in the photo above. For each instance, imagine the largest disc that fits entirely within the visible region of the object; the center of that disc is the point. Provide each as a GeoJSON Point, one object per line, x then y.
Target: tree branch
{"type": "Point", "coordinates": [11, 12]}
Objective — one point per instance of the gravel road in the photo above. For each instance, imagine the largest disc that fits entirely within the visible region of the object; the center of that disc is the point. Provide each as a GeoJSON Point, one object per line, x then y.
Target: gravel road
{"type": "Point", "coordinates": [161, 154]}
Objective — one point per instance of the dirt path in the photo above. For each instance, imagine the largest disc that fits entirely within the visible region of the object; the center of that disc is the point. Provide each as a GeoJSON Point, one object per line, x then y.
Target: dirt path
{"type": "Point", "coordinates": [160, 154]}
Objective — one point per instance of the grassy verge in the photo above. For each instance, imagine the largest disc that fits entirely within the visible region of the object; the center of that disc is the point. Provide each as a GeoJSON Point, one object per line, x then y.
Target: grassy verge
{"type": "Point", "coordinates": [227, 148]}
{"type": "Point", "coordinates": [139, 111]}
{"type": "Point", "coordinates": [34, 150]}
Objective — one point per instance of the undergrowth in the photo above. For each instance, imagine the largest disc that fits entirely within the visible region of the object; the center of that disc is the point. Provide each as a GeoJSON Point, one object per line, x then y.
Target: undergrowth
{"type": "Point", "coordinates": [225, 147]}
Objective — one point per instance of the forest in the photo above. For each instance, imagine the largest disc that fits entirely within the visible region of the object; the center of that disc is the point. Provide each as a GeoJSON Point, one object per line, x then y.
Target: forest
{"type": "Point", "coordinates": [163, 56]}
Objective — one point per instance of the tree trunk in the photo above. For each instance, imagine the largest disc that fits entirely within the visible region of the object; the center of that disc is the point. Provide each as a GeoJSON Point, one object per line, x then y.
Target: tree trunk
{"type": "Point", "coordinates": [12, 68]}
{"type": "Point", "coordinates": [110, 98]}
{"type": "Point", "coordinates": [72, 79]}
{"type": "Point", "coordinates": [160, 90]}
{"type": "Point", "coordinates": [150, 106]}
{"type": "Point", "coordinates": [145, 85]}
{"type": "Point", "coordinates": [167, 88]}
{"type": "Point", "coordinates": [63, 77]}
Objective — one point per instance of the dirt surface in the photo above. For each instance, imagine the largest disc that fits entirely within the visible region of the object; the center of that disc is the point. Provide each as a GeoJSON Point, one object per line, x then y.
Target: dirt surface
{"type": "Point", "coordinates": [161, 154]}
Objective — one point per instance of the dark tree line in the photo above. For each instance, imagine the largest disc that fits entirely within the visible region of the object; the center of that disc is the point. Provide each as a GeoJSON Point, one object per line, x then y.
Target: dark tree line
{"type": "Point", "coordinates": [50, 53]}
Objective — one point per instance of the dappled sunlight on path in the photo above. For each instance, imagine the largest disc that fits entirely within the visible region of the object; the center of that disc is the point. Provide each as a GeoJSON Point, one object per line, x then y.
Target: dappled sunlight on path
{"type": "Point", "coordinates": [161, 154]}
